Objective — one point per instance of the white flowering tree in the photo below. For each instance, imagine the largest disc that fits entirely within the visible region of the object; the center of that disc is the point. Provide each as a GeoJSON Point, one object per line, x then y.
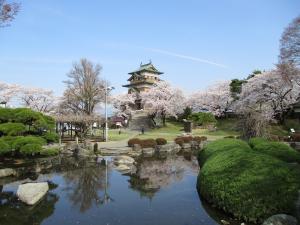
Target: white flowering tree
{"type": "Point", "coordinates": [8, 92]}
{"type": "Point", "coordinates": [269, 94]}
{"type": "Point", "coordinates": [38, 99]}
{"type": "Point", "coordinates": [216, 99]}
{"type": "Point", "coordinates": [163, 100]}
{"type": "Point", "coordinates": [124, 103]}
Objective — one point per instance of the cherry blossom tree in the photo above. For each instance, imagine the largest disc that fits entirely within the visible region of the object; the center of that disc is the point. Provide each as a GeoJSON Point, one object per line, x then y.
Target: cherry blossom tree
{"type": "Point", "coordinates": [269, 94]}
{"type": "Point", "coordinates": [38, 99]}
{"type": "Point", "coordinates": [163, 100]}
{"type": "Point", "coordinates": [8, 92]}
{"type": "Point", "coordinates": [124, 102]}
{"type": "Point", "coordinates": [8, 11]}
{"type": "Point", "coordinates": [216, 99]}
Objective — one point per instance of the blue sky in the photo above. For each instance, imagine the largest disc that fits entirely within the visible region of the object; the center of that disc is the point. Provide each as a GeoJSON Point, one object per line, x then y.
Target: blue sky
{"type": "Point", "coordinates": [195, 42]}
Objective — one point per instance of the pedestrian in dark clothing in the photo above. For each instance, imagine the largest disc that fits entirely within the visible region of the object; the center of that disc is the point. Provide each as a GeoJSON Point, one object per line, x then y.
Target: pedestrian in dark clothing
{"type": "Point", "coordinates": [143, 129]}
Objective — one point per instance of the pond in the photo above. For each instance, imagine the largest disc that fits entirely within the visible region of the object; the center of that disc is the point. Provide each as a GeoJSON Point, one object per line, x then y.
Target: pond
{"type": "Point", "coordinates": [86, 191]}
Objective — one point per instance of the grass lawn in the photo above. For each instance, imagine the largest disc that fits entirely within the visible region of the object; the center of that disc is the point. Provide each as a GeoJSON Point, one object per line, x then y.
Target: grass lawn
{"type": "Point", "coordinates": [173, 129]}
{"type": "Point", "coordinates": [114, 135]}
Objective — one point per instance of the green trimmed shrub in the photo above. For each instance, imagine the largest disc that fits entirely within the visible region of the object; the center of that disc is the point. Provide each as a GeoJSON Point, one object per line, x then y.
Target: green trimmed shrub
{"type": "Point", "coordinates": [30, 149]}
{"type": "Point", "coordinates": [50, 151]}
{"type": "Point", "coordinates": [134, 141]}
{"type": "Point", "coordinates": [12, 129]}
{"type": "Point", "coordinates": [21, 141]}
{"type": "Point", "coordinates": [203, 118]}
{"type": "Point", "coordinates": [278, 150]}
{"type": "Point", "coordinates": [4, 148]}
{"type": "Point", "coordinates": [9, 140]}
{"type": "Point", "coordinates": [148, 143]}
{"type": "Point", "coordinates": [161, 141]}
{"type": "Point", "coordinates": [249, 185]}
{"type": "Point", "coordinates": [51, 137]}
{"type": "Point", "coordinates": [6, 115]}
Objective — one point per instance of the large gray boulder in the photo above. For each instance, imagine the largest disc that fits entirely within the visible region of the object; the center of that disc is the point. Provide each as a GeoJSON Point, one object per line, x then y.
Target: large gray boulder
{"type": "Point", "coordinates": [7, 172]}
{"type": "Point", "coordinates": [281, 219]}
{"type": "Point", "coordinates": [148, 152]}
{"type": "Point", "coordinates": [31, 193]}
{"type": "Point", "coordinates": [123, 159]}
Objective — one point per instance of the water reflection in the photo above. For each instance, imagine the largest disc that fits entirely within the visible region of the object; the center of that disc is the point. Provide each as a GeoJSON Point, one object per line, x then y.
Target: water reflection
{"type": "Point", "coordinates": [156, 173]}
{"type": "Point", "coordinates": [88, 186]}
{"type": "Point", "coordinates": [13, 212]}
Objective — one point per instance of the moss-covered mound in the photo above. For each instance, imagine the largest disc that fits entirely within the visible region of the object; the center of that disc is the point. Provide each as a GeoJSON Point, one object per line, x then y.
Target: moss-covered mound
{"type": "Point", "coordinates": [220, 146]}
{"type": "Point", "coordinates": [278, 150]}
{"type": "Point", "coordinates": [247, 183]}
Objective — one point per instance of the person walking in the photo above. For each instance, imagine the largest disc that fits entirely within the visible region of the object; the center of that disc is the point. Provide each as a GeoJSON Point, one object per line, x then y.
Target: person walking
{"type": "Point", "coordinates": [143, 129]}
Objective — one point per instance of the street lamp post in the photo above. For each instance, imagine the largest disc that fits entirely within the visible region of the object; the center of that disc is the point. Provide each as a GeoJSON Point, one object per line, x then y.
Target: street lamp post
{"type": "Point", "coordinates": [107, 89]}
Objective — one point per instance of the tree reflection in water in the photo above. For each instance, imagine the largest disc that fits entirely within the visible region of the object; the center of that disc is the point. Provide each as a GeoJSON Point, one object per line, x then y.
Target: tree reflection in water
{"type": "Point", "coordinates": [84, 186]}
{"type": "Point", "coordinates": [154, 174]}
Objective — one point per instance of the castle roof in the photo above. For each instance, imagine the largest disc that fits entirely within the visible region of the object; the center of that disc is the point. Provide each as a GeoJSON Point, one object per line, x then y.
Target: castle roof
{"type": "Point", "coordinates": [146, 68]}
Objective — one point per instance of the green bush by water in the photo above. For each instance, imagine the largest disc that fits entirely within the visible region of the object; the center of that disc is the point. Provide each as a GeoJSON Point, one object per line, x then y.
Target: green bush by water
{"type": "Point", "coordinates": [50, 151]}
{"type": "Point", "coordinates": [51, 137]}
{"type": "Point", "coordinates": [12, 129]}
{"type": "Point", "coordinates": [19, 142]}
{"type": "Point", "coordinates": [30, 149]}
{"type": "Point", "coordinates": [4, 148]}
{"type": "Point", "coordinates": [249, 184]}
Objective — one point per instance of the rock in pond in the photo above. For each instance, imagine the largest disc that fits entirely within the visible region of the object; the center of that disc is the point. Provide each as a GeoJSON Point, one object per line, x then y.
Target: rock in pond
{"type": "Point", "coordinates": [7, 172]}
{"type": "Point", "coordinates": [148, 152]}
{"type": "Point", "coordinates": [123, 159]}
{"type": "Point", "coordinates": [122, 168]}
{"type": "Point", "coordinates": [281, 219]}
{"type": "Point", "coordinates": [187, 146]}
{"type": "Point", "coordinates": [31, 193]}
{"type": "Point", "coordinates": [225, 222]}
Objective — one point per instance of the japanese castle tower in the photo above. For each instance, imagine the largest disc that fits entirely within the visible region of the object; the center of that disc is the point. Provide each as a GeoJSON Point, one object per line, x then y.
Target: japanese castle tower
{"type": "Point", "coordinates": [143, 78]}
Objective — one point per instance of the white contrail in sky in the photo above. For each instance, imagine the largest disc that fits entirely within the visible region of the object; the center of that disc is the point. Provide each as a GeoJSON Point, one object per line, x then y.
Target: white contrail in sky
{"type": "Point", "coordinates": [186, 57]}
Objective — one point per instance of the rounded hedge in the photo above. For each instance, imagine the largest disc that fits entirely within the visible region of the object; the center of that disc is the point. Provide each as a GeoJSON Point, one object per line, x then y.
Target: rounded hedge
{"type": "Point", "coordinates": [50, 151]}
{"type": "Point", "coordinates": [247, 184]}
{"type": "Point", "coordinates": [4, 148]}
{"type": "Point", "coordinates": [179, 141]}
{"type": "Point", "coordinates": [161, 141]}
{"type": "Point", "coordinates": [134, 141]}
{"type": "Point", "coordinates": [278, 150]}
{"type": "Point", "coordinates": [51, 137]}
{"type": "Point", "coordinates": [148, 143]}
{"type": "Point", "coordinates": [12, 129]}
{"type": "Point", "coordinates": [30, 149]}
{"type": "Point", "coordinates": [21, 141]}
{"type": "Point", "coordinates": [198, 139]}
{"type": "Point", "coordinates": [220, 146]}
